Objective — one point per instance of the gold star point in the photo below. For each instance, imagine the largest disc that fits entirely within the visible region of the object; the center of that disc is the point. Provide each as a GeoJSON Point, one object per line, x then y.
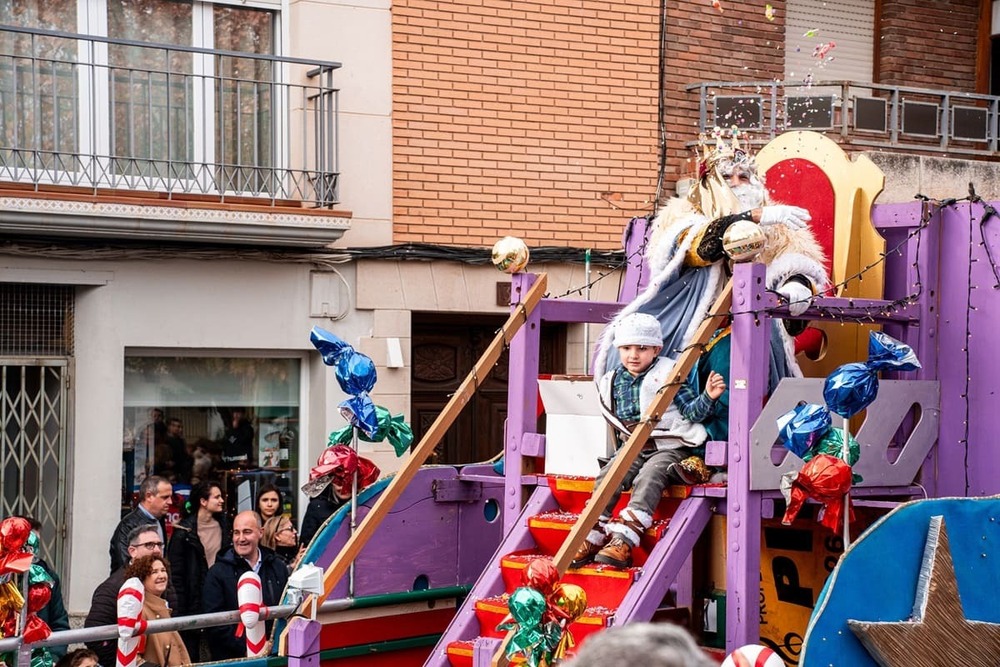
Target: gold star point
{"type": "Point", "coordinates": [938, 632]}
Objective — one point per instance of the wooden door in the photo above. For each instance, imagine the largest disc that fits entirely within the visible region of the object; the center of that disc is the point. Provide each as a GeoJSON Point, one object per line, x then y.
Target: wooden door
{"type": "Point", "coordinates": [445, 347]}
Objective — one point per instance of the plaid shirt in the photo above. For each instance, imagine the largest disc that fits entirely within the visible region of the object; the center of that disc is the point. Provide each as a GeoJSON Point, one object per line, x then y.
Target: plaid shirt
{"type": "Point", "coordinates": [625, 394]}
{"type": "Point", "coordinates": [695, 406]}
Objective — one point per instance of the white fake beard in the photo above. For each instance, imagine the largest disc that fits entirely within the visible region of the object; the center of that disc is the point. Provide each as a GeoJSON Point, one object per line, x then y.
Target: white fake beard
{"type": "Point", "coordinates": [750, 195]}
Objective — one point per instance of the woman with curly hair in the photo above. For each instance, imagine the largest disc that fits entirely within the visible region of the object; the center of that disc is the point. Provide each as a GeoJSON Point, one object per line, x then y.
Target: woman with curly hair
{"type": "Point", "coordinates": [162, 648]}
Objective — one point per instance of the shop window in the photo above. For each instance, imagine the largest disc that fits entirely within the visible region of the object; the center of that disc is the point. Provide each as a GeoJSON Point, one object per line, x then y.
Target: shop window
{"type": "Point", "coordinates": [231, 420]}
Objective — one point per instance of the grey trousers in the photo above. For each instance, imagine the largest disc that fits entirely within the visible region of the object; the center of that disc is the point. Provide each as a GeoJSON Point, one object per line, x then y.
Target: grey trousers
{"type": "Point", "coordinates": [648, 475]}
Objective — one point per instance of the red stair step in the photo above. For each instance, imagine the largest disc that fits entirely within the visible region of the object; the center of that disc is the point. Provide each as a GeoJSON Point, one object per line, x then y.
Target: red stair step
{"type": "Point", "coordinates": [460, 653]}
{"type": "Point", "coordinates": [605, 585]}
{"type": "Point", "coordinates": [549, 529]}
{"type": "Point", "coordinates": [572, 493]}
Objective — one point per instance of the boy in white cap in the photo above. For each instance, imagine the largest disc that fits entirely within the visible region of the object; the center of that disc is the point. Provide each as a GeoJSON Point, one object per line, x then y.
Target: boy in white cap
{"type": "Point", "coordinates": [667, 457]}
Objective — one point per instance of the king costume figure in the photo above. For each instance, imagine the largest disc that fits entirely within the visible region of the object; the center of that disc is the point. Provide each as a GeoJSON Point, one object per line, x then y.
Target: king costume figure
{"type": "Point", "coordinates": [689, 268]}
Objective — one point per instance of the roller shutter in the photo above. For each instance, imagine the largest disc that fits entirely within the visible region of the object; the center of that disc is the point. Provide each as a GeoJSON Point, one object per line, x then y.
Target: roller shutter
{"type": "Point", "coordinates": [850, 24]}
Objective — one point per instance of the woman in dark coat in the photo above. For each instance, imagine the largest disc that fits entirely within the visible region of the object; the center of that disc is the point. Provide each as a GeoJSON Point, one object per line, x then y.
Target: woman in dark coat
{"type": "Point", "coordinates": [197, 539]}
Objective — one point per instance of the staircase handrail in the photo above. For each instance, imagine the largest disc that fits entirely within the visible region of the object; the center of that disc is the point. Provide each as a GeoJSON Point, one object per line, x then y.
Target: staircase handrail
{"type": "Point", "coordinates": [630, 450]}
{"type": "Point", "coordinates": [336, 570]}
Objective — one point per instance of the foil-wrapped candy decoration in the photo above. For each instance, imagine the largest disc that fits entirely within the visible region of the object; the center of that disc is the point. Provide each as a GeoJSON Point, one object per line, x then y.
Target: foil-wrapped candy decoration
{"type": "Point", "coordinates": [337, 466]}
{"type": "Point", "coordinates": [356, 376]}
{"type": "Point", "coordinates": [540, 574]}
{"type": "Point", "coordinates": [802, 427]}
{"type": "Point", "coordinates": [389, 427]}
{"type": "Point", "coordinates": [826, 479]}
{"type": "Point", "coordinates": [567, 603]}
{"type": "Point", "coordinates": [852, 387]}
{"type": "Point", "coordinates": [531, 638]}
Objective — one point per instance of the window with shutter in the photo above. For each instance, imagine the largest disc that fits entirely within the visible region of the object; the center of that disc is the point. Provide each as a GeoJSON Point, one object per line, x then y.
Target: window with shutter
{"type": "Point", "coordinates": [849, 24]}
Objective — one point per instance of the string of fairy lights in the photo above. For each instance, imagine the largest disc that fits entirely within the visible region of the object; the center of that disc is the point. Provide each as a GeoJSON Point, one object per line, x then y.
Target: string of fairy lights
{"type": "Point", "coordinates": [887, 309]}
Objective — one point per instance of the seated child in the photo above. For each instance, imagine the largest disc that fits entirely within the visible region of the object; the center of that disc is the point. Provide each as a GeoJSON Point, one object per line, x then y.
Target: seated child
{"type": "Point", "coordinates": [625, 393]}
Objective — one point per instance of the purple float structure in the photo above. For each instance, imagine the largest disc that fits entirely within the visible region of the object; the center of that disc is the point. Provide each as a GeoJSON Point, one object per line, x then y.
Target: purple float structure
{"type": "Point", "coordinates": [924, 436]}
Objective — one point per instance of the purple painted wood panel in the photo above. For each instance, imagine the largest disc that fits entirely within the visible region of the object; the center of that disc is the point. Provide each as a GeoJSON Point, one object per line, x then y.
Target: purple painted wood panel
{"type": "Point", "coordinates": [913, 269]}
{"type": "Point", "coordinates": [420, 538]}
{"type": "Point", "coordinates": [667, 559]}
{"type": "Point", "coordinates": [522, 399]}
{"type": "Point", "coordinates": [636, 271]}
{"type": "Point", "coordinates": [969, 318]}
{"type": "Point", "coordinates": [747, 383]}
{"type": "Point", "coordinates": [480, 531]}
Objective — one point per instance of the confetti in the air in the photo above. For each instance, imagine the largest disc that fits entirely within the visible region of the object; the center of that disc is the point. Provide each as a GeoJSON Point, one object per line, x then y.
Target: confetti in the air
{"type": "Point", "coordinates": [823, 49]}
{"type": "Point", "coordinates": [769, 12]}
{"type": "Point", "coordinates": [811, 33]}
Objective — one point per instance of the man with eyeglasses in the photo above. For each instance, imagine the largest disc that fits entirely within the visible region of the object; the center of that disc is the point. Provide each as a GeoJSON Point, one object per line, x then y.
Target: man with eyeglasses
{"type": "Point", "coordinates": [142, 540]}
{"type": "Point", "coordinates": [155, 494]}
{"type": "Point", "coordinates": [219, 593]}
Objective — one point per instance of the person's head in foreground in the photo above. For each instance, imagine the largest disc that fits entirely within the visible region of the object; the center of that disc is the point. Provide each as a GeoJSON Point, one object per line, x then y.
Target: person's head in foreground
{"type": "Point", "coordinates": [645, 644]}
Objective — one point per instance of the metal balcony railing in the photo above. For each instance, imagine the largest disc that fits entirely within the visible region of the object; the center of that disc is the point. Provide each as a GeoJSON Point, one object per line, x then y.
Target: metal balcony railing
{"type": "Point", "coordinates": [861, 115]}
{"type": "Point", "coordinates": [99, 113]}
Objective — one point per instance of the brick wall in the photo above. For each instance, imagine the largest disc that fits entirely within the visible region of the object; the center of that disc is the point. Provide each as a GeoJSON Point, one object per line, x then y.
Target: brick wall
{"type": "Point", "coordinates": [738, 44]}
{"type": "Point", "coordinates": [539, 118]}
{"type": "Point", "coordinates": [929, 44]}
{"type": "Point", "coordinates": [528, 118]}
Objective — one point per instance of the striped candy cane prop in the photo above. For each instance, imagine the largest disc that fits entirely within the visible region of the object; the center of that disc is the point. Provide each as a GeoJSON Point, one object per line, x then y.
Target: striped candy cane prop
{"type": "Point", "coordinates": [131, 624]}
{"type": "Point", "coordinates": [252, 613]}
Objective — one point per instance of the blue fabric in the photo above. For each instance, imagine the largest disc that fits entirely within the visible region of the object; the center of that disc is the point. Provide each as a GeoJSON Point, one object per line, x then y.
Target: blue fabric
{"type": "Point", "coordinates": [718, 359]}
{"type": "Point", "coordinates": [673, 305]}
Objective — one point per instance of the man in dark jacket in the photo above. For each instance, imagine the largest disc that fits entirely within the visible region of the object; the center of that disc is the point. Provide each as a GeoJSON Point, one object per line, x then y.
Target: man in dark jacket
{"type": "Point", "coordinates": [219, 593]}
{"type": "Point", "coordinates": [155, 495]}
{"type": "Point", "coordinates": [142, 541]}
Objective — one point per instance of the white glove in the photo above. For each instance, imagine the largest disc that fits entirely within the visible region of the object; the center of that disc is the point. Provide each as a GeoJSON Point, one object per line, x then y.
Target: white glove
{"type": "Point", "coordinates": [792, 216]}
{"type": "Point", "coordinates": [799, 297]}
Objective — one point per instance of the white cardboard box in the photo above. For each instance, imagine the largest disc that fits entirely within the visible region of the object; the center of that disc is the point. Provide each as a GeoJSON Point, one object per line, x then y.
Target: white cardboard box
{"type": "Point", "coordinates": [576, 434]}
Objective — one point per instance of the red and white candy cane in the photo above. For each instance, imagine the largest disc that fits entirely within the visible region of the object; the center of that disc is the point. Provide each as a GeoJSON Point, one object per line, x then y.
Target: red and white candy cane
{"type": "Point", "coordinates": [131, 624]}
{"type": "Point", "coordinates": [252, 613]}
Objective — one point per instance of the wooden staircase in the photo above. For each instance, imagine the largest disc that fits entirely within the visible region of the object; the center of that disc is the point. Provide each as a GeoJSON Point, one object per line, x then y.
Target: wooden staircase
{"type": "Point", "coordinates": [614, 595]}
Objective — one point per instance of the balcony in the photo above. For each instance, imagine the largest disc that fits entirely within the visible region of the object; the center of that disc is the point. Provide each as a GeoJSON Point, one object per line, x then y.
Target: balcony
{"type": "Point", "coordinates": [130, 140]}
{"type": "Point", "coordinates": [856, 115]}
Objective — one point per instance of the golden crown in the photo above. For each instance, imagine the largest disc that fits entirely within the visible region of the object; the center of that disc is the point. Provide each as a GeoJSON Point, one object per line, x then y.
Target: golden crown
{"type": "Point", "coordinates": [725, 146]}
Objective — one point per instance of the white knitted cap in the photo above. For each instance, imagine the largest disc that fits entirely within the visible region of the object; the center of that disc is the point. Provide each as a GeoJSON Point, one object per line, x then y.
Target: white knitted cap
{"type": "Point", "coordinates": [638, 329]}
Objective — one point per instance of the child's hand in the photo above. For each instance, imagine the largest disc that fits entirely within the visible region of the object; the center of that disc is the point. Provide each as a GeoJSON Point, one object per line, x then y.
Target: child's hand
{"type": "Point", "coordinates": [715, 385]}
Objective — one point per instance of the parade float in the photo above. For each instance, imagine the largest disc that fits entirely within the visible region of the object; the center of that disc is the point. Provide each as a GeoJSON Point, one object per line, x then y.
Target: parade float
{"type": "Point", "coordinates": [854, 526]}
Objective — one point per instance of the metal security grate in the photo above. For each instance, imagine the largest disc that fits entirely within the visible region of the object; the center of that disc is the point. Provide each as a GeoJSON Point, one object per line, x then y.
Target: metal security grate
{"type": "Point", "coordinates": [33, 448]}
{"type": "Point", "coordinates": [36, 320]}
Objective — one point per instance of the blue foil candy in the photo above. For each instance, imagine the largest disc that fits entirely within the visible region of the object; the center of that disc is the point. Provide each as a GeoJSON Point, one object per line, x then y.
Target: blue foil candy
{"type": "Point", "coordinates": [355, 371]}
{"type": "Point", "coordinates": [802, 427]}
{"type": "Point", "coordinates": [852, 387]}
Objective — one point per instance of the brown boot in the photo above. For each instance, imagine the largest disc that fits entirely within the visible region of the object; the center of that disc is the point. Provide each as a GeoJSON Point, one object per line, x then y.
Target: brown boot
{"type": "Point", "coordinates": [618, 552]}
{"type": "Point", "coordinates": [585, 554]}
